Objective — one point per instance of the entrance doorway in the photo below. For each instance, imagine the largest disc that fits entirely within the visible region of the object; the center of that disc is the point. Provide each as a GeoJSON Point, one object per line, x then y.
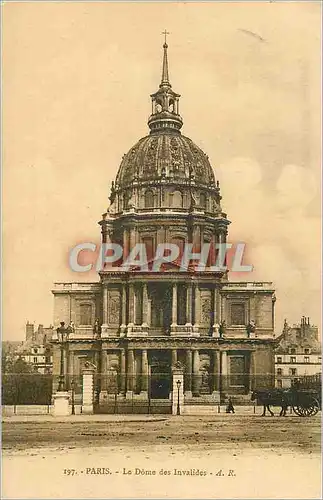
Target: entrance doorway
{"type": "Point", "coordinates": [160, 374]}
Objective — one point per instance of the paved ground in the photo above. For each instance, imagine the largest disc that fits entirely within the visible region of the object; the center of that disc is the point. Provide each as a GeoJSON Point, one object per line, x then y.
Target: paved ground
{"type": "Point", "coordinates": [270, 457]}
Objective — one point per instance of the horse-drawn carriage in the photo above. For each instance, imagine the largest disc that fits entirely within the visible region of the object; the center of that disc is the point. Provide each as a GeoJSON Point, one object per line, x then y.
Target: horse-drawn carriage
{"type": "Point", "coordinates": [303, 397]}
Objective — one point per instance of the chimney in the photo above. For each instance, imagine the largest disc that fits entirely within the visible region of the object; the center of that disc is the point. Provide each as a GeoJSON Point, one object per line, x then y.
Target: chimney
{"type": "Point", "coordinates": [29, 331]}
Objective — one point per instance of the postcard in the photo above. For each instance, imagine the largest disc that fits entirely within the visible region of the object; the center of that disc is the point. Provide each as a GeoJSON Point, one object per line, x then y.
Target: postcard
{"type": "Point", "coordinates": [161, 244]}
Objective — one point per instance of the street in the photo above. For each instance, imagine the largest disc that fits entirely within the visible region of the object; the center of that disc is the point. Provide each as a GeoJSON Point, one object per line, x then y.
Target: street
{"type": "Point", "coordinates": [296, 434]}
{"type": "Point", "coordinates": [190, 457]}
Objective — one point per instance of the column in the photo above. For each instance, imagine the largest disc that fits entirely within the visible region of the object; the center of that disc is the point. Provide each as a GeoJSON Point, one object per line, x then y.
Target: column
{"type": "Point", "coordinates": [105, 305]}
{"type": "Point", "coordinates": [215, 308]}
{"type": "Point", "coordinates": [145, 305]}
{"type": "Point", "coordinates": [125, 243]}
{"type": "Point", "coordinates": [196, 373]}
{"type": "Point", "coordinates": [149, 312]}
{"type": "Point", "coordinates": [131, 315]}
{"type": "Point", "coordinates": [216, 374]}
{"type": "Point", "coordinates": [224, 371]}
{"type": "Point", "coordinates": [144, 370]}
{"type": "Point", "coordinates": [103, 377]}
{"type": "Point", "coordinates": [135, 304]}
{"type": "Point", "coordinates": [174, 356]}
{"type": "Point", "coordinates": [123, 371]}
{"type": "Point", "coordinates": [197, 306]}
{"type": "Point", "coordinates": [132, 238]}
{"type": "Point", "coordinates": [252, 371]}
{"type": "Point", "coordinates": [123, 307]}
{"type": "Point", "coordinates": [189, 304]}
{"type": "Point", "coordinates": [130, 372]}
{"type": "Point", "coordinates": [174, 305]}
{"type": "Point", "coordinates": [188, 374]}
{"type": "Point", "coordinates": [107, 240]}
{"type": "Point", "coordinates": [222, 251]}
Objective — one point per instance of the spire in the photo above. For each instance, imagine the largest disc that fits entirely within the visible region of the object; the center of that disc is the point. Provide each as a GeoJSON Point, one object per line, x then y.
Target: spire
{"type": "Point", "coordinates": [165, 75]}
{"type": "Point", "coordinates": [165, 102]}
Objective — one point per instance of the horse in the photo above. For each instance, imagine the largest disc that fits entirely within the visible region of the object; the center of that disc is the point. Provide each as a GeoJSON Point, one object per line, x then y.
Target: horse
{"type": "Point", "coordinates": [269, 397]}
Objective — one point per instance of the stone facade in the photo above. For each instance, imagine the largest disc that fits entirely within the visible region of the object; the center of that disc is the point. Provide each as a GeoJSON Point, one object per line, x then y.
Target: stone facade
{"type": "Point", "coordinates": [298, 353]}
{"type": "Point", "coordinates": [133, 325]}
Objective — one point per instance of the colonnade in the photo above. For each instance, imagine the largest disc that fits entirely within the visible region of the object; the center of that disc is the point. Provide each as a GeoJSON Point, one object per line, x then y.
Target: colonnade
{"type": "Point", "coordinates": [134, 370]}
{"type": "Point", "coordinates": [136, 305]}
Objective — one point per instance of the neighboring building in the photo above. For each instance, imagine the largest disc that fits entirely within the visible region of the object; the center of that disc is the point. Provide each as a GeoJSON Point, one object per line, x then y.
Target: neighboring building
{"type": "Point", "coordinates": [37, 349]}
{"type": "Point", "coordinates": [298, 353]}
{"type": "Point", "coordinates": [139, 323]}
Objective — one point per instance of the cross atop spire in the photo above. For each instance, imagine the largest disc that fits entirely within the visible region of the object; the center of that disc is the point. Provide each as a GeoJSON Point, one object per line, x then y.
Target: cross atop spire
{"type": "Point", "coordinates": [165, 75]}
{"type": "Point", "coordinates": [165, 33]}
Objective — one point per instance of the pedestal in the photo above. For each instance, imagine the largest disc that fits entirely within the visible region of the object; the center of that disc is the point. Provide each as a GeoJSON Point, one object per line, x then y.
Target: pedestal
{"type": "Point", "coordinates": [61, 404]}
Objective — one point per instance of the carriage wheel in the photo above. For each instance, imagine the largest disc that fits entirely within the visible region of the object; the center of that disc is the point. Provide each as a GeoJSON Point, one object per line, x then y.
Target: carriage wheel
{"type": "Point", "coordinates": [297, 411]}
{"type": "Point", "coordinates": [315, 407]}
{"type": "Point", "coordinates": [308, 408]}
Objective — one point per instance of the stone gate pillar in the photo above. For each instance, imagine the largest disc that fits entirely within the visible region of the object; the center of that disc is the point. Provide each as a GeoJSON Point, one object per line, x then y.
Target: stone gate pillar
{"type": "Point", "coordinates": [88, 390]}
{"type": "Point", "coordinates": [178, 389]}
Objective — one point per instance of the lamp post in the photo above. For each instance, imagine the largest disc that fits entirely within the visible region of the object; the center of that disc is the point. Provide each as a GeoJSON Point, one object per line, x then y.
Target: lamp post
{"type": "Point", "coordinates": [62, 335]}
{"type": "Point", "coordinates": [178, 383]}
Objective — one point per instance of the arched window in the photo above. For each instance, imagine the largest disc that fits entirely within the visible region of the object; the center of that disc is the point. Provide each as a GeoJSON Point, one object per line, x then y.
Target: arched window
{"type": "Point", "coordinates": [158, 107]}
{"type": "Point", "coordinates": [149, 199]}
{"type": "Point", "coordinates": [177, 199]}
{"type": "Point", "coordinates": [203, 200]}
{"type": "Point", "coordinates": [171, 106]}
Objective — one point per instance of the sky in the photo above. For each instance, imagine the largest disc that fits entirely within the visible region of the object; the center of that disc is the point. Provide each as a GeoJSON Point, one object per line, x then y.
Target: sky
{"type": "Point", "coordinates": [76, 84]}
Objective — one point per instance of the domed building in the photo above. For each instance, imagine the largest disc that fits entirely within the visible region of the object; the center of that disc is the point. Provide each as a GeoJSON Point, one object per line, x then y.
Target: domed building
{"type": "Point", "coordinates": [136, 323]}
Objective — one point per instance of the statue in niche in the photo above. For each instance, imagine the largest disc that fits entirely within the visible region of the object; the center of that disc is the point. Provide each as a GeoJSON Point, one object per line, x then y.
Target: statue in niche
{"type": "Point", "coordinates": [97, 328]}
{"type": "Point", "coordinates": [251, 327]}
{"type": "Point", "coordinates": [222, 328]}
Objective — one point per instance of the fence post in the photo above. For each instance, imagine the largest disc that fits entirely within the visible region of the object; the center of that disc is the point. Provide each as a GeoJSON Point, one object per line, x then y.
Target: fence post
{"type": "Point", "coordinates": [88, 374]}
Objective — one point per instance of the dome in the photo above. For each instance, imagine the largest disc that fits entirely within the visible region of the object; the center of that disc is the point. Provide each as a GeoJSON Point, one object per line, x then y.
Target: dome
{"type": "Point", "coordinates": [166, 154]}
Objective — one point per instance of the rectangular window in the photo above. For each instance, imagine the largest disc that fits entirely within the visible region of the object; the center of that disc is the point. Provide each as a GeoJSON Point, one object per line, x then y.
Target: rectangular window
{"type": "Point", "coordinates": [293, 351]}
{"type": "Point", "coordinates": [306, 359]}
{"type": "Point", "coordinates": [238, 314]}
{"type": "Point", "coordinates": [307, 351]}
{"type": "Point", "coordinates": [279, 384]}
{"type": "Point", "coordinates": [35, 360]}
{"type": "Point", "coordinates": [293, 359]}
{"type": "Point", "coordinates": [292, 371]}
{"type": "Point", "coordinates": [279, 371]}
{"type": "Point", "coordinates": [279, 359]}
{"type": "Point", "coordinates": [85, 314]}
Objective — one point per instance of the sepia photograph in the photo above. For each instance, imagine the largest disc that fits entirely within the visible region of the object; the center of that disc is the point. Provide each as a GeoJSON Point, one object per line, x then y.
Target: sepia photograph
{"type": "Point", "coordinates": [161, 250]}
